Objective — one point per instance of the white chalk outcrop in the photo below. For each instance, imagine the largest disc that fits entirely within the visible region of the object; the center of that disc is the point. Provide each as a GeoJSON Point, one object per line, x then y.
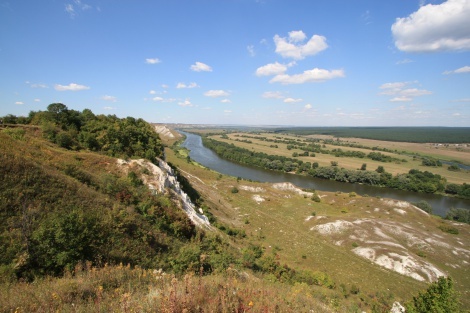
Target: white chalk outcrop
{"type": "Point", "coordinates": [162, 179]}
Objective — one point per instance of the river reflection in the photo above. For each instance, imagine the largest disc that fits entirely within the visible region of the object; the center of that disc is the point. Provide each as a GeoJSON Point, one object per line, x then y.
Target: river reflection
{"type": "Point", "coordinates": [208, 158]}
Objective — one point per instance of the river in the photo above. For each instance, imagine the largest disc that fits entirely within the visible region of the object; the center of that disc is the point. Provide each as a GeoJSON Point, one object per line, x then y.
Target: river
{"type": "Point", "coordinates": [206, 157]}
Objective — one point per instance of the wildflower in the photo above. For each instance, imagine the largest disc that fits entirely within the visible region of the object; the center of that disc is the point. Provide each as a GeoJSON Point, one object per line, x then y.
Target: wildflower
{"type": "Point", "coordinates": [251, 303]}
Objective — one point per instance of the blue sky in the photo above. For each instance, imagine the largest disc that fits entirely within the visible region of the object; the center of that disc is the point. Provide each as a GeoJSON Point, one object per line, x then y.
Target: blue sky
{"type": "Point", "coordinates": [256, 62]}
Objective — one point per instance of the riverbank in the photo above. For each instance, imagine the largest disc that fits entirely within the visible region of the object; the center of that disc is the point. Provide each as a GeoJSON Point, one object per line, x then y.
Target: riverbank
{"type": "Point", "coordinates": [208, 158]}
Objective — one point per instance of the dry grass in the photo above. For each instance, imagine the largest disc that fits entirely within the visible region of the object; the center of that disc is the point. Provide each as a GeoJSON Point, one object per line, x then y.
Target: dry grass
{"type": "Point", "coordinates": [283, 222]}
{"type": "Point", "coordinates": [123, 289]}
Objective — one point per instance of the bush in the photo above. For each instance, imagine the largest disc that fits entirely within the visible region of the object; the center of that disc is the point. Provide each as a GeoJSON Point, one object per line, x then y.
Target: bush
{"type": "Point", "coordinates": [439, 297]}
{"type": "Point", "coordinates": [459, 215]}
{"type": "Point", "coordinates": [423, 205]}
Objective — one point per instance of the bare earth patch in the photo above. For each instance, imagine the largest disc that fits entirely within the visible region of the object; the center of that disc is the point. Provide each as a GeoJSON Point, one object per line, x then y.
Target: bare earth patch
{"type": "Point", "coordinates": [394, 244]}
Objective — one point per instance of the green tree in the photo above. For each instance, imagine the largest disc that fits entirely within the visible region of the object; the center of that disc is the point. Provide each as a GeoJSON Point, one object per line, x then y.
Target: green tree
{"type": "Point", "coordinates": [440, 297]}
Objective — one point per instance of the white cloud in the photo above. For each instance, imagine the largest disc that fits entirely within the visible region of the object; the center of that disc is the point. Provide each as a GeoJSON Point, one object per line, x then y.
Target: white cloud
{"type": "Point", "coordinates": [70, 10]}
{"type": "Point", "coordinates": [225, 101]}
{"type": "Point", "coordinates": [315, 75]}
{"type": "Point", "coordinates": [109, 98]}
{"type": "Point", "coordinates": [401, 92]}
{"type": "Point", "coordinates": [19, 102]}
{"type": "Point", "coordinates": [70, 87]}
{"type": "Point", "coordinates": [292, 46]}
{"type": "Point", "coordinates": [271, 69]}
{"type": "Point", "coordinates": [216, 93]}
{"type": "Point", "coordinates": [160, 99]}
{"type": "Point", "coordinates": [201, 67]}
{"type": "Point", "coordinates": [297, 36]}
{"type": "Point", "coordinates": [185, 103]}
{"type": "Point", "coordinates": [465, 69]}
{"type": "Point", "coordinates": [109, 108]}
{"type": "Point", "coordinates": [308, 106]}
{"type": "Point", "coordinates": [165, 86]}
{"type": "Point", "coordinates": [292, 100]}
{"type": "Point", "coordinates": [227, 111]}
{"type": "Point", "coordinates": [251, 50]}
{"type": "Point", "coordinates": [39, 86]}
{"type": "Point", "coordinates": [440, 27]}
{"type": "Point", "coordinates": [273, 95]}
{"type": "Point", "coordinates": [37, 100]}
{"type": "Point", "coordinates": [401, 99]}
{"type": "Point", "coordinates": [153, 61]}
{"type": "Point", "coordinates": [397, 85]}
{"type": "Point", "coordinates": [152, 92]}
{"type": "Point", "coordinates": [183, 85]}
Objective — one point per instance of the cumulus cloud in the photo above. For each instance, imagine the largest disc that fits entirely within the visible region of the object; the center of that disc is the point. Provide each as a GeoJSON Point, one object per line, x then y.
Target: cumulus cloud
{"type": "Point", "coordinates": [37, 100]}
{"type": "Point", "coordinates": [109, 108]}
{"type": "Point", "coordinates": [201, 67]}
{"type": "Point", "coordinates": [153, 61]}
{"type": "Point", "coordinates": [271, 69]}
{"type": "Point", "coordinates": [292, 100]}
{"type": "Point", "coordinates": [216, 93]}
{"type": "Point", "coordinates": [225, 101]}
{"type": "Point", "coordinates": [294, 47]}
{"type": "Point", "coordinates": [183, 85]}
{"type": "Point", "coordinates": [273, 95]}
{"type": "Point", "coordinates": [185, 103]}
{"type": "Point", "coordinates": [71, 87]}
{"type": "Point", "coordinates": [308, 106]}
{"type": "Point", "coordinates": [401, 91]}
{"type": "Point", "coordinates": [109, 98]}
{"type": "Point", "coordinates": [19, 102]}
{"type": "Point", "coordinates": [465, 69]}
{"type": "Point", "coordinates": [160, 99]}
{"type": "Point", "coordinates": [434, 27]}
{"type": "Point", "coordinates": [315, 75]}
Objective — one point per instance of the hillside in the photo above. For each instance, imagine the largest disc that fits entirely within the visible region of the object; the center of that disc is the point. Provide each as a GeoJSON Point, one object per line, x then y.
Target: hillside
{"type": "Point", "coordinates": [84, 230]}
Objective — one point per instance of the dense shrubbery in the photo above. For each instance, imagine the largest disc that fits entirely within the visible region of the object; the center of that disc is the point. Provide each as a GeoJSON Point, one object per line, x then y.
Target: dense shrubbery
{"type": "Point", "coordinates": [70, 129]}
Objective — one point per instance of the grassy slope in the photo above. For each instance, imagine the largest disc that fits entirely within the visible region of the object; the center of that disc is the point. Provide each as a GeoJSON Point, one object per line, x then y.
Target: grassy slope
{"type": "Point", "coordinates": [279, 222]}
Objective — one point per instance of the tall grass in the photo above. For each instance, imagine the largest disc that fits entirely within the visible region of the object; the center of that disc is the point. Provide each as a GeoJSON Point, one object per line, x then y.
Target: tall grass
{"type": "Point", "coordinates": [126, 289]}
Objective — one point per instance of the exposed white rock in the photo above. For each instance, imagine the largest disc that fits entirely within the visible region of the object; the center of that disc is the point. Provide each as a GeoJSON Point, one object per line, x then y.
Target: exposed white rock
{"type": "Point", "coordinates": [292, 187]}
{"type": "Point", "coordinates": [163, 178]}
{"type": "Point", "coordinates": [164, 131]}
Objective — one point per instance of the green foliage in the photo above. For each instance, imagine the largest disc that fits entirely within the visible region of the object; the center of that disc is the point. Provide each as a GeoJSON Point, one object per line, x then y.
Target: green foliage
{"type": "Point", "coordinates": [454, 168]}
{"type": "Point", "coordinates": [449, 229]}
{"type": "Point", "coordinates": [234, 190]}
{"type": "Point", "coordinates": [431, 162]}
{"type": "Point", "coordinates": [15, 133]}
{"type": "Point", "coordinates": [440, 297]}
{"type": "Point", "coordinates": [423, 205]}
{"type": "Point", "coordinates": [64, 239]}
{"type": "Point", "coordinates": [459, 215]}
{"type": "Point", "coordinates": [70, 129]}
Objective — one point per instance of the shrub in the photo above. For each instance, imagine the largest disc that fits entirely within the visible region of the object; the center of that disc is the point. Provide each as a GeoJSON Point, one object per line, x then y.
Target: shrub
{"type": "Point", "coordinates": [439, 297]}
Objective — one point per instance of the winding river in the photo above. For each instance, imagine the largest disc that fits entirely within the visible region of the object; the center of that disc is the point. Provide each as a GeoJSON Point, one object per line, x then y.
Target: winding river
{"type": "Point", "coordinates": [208, 158]}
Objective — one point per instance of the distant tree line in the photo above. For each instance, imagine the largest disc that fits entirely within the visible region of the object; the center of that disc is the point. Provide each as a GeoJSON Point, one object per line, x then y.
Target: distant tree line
{"type": "Point", "coordinates": [414, 180]}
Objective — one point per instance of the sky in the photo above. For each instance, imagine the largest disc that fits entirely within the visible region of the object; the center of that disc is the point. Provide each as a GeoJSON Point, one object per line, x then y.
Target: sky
{"type": "Point", "coordinates": [241, 62]}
